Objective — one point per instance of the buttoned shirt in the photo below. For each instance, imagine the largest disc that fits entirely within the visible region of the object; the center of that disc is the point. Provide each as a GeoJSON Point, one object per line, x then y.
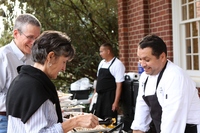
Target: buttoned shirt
{"type": "Point", "coordinates": [10, 58]}
{"type": "Point", "coordinates": [44, 120]}
{"type": "Point", "coordinates": [178, 97]}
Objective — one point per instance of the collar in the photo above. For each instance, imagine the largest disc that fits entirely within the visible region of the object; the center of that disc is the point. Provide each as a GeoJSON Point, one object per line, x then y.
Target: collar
{"type": "Point", "coordinates": [20, 55]}
{"type": "Point", "coordinates": [109, 61]}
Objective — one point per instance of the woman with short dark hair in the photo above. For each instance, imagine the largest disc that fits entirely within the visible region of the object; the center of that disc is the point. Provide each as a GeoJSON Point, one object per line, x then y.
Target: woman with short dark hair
{"type": "Point", "coordinates": [32, 100]}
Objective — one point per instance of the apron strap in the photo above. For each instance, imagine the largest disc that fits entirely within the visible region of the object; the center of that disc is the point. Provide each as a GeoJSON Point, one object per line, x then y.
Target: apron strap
{"type": "Point", "coordinates": [159, 77]}
{"type": "Point", "coordinates": [112, 62]}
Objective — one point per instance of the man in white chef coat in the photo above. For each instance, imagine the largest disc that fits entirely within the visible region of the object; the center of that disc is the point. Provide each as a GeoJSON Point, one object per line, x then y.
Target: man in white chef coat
{"type": "Point", "coordinates": [167, 100]}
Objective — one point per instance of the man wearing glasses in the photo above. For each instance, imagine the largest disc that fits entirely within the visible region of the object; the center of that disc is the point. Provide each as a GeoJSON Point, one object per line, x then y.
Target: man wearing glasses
{"type": "Point", "coordinates": [26, 29]}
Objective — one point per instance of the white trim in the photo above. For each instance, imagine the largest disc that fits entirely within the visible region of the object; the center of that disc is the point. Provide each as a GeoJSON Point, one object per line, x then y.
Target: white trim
{"type": "Point", "coordinates": [175, 28]}
{"type": "Point", "coordinates": [179, 41]}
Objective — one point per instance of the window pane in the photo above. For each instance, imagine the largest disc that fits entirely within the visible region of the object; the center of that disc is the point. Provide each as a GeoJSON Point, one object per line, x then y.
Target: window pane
{"type": "Point", "coordinates": [187, 30]}
{"type": "Point", "coordinates": [188, 46]}
{"type": "Point", "coordinates": [184, 12]}
{"type": "Point", "coordinates": [191, 11]}
{"type": "Point", "coordinates": [183, 1]}
{"type": "Point", "coordinates": [198, 9]}
{"type": "Point", "coordinates": [195, 45]}
{"type": "Point", "coordinates": [196, 62]}
{"type": "Point", "coordinates": [194, 29]}
{"type": "Point", "coordinates": [189, 67]}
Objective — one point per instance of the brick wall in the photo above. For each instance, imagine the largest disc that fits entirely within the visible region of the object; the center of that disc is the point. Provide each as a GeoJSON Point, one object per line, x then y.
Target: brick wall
{"type": "Point", "coordinates": [137, 18]}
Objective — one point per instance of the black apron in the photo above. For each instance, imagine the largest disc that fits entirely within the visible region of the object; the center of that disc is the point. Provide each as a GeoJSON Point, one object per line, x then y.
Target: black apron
{"type": "Point", "coordinates": [106, 89]}
{"type": "Point", "coordinates": [156, 110]}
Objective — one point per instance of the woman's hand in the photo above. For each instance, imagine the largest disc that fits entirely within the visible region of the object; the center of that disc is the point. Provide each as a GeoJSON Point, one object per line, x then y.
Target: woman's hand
{"type": "Point", "coordinates": [86, 120]}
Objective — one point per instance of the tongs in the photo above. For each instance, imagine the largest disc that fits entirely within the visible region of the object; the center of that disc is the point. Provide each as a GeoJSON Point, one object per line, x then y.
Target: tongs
{"type": "Point", "coordinates": [115, 128]}
{"type": "Point", "coordinates": [106, 121]}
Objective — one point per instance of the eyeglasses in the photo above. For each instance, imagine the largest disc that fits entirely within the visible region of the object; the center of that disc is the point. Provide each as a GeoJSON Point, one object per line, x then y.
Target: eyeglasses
{"type": "Point", "coordinates": [32, 38]}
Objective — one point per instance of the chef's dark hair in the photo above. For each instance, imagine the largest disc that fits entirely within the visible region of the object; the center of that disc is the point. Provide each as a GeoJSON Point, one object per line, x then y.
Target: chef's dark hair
{"type": "Point", "coordinates": [49, 41]}
{"type": "Point", "coordinates": [108, 46]}
{"type": "Point", "coordinates": [154, 42]}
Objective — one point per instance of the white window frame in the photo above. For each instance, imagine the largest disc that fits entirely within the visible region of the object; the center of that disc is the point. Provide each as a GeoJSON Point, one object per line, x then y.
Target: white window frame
{"type": "Point", "coordinates": [179, 43]}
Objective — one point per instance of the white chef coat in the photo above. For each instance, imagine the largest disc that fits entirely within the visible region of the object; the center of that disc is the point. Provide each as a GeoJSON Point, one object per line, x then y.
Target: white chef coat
{"type": "Point", "coordinates": [178, 97]}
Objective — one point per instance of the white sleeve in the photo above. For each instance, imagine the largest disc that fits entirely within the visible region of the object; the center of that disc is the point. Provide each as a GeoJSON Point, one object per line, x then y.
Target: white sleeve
{"type": "Point", "coordinates": [198, 128]}
{"type": "Point", "coordinates": [3, 68]}
{"type": "Point", "coordinates": [118, 70]}
{"type": "Point", "coordinates": [4, 82]}
{"type": "Point", "coordinates": [142, 117]}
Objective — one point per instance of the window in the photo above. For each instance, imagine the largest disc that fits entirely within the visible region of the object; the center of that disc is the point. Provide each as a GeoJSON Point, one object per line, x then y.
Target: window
{"type": "Point", "coordinates": [186, 36]}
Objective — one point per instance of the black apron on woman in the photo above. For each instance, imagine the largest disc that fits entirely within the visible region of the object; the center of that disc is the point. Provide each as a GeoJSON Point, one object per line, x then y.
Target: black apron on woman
{"type": "Point", "coordinates": [156, 110]}
{"type": "Point", "coordinates": [106, 89]}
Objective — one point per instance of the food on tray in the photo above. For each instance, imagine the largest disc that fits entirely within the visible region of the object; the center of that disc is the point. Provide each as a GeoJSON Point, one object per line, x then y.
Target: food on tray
{"type": "Point", "coordinates": [86, 130]}
{"type": "Point", "coordinates": [68, 116]}
{"type": "Point", "coordinates": [63, 96]}
{"type": "Point", "coordinates": [72, 108]}
{"type": "Point", "coordinates": [99, 128]}
{"type": "Point", "coordinates": [72, 114]}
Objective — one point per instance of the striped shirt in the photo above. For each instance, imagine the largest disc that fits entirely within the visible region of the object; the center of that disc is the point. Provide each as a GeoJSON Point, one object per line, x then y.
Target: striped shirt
{"type": "Point", "coordinates": [44, 120]}
{"type": "Point", "coordinates": [10, 58]}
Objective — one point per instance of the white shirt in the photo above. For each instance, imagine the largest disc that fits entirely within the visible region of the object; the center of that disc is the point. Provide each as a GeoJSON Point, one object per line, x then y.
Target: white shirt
{"type": "Point", "coordinates": [117, 69]}
{"type": "Point", "coordinates": [178, 97]}
{"type": "Point", "coordinates": [44, 120]}
{"type": "Point", "coordinates": [10, 58]}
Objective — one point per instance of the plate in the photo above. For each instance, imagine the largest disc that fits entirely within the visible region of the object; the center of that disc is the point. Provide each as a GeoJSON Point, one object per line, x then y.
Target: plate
{"type": "Point", "coordinates": [68, 103]}
{"type": "Point", "coordinates": [90, 131]}
{"type": "Point", "coordinates": [98, 128]}
{"type": "Point", "coordinates": [65, 96]}
{"type": "Point", "coordinates": [72, 114]}
{"type": "Point", "coordinates": [76, 107]}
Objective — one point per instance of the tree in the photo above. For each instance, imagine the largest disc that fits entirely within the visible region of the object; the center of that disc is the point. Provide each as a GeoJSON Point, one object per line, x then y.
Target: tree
{"type": "Point", "coordinates": [89, 23]}
{"type": "Point", "coordinates": [7, 15]}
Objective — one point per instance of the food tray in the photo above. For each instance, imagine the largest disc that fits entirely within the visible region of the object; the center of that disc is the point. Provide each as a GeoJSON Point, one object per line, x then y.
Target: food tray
{"type": "Point", "coordinates": [97, 129]}
{"type": "Point", "coordinates": [90, 131]}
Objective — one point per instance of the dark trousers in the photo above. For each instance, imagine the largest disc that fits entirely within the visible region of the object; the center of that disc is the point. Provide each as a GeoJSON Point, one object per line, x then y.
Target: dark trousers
{"type": "Point", "coordinates": [191, 128]}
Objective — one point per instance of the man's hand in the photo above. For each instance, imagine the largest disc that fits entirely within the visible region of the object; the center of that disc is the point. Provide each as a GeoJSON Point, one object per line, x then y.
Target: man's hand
{"type": "Point", "coordinates": [114, 106]}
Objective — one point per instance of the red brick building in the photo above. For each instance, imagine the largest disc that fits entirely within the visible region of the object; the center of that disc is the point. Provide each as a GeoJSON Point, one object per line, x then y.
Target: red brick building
{"type": "Point", "coordinates": [177, 22]}
{"type": "Point", "coordinates": [137, 18]}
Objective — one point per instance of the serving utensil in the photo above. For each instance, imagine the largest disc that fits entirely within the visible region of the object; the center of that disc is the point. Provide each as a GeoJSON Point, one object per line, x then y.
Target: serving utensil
{"type": "Point", "coordinates": [106, 121]}
{"type": "Point", "coordinates": [115, 128]}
